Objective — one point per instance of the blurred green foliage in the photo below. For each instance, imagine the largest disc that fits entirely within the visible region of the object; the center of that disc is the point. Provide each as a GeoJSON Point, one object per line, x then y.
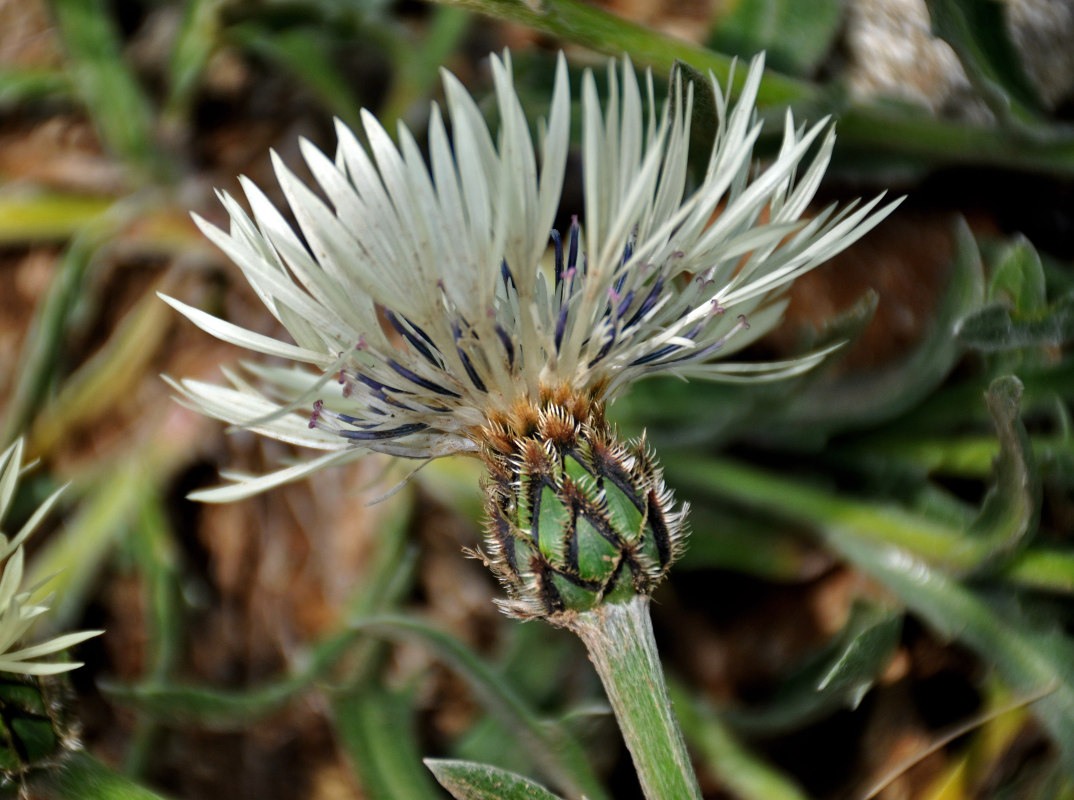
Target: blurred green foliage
{"type": "Point", "coordinates": [944, 475]}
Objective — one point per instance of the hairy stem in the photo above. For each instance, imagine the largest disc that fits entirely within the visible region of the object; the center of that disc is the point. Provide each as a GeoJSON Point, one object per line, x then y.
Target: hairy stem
{"type": "Point", "coordinates": [619, 638]}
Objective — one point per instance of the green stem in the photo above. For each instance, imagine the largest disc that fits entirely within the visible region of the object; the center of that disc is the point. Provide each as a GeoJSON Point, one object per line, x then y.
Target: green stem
{"type": "Point", "coordinates": [619, 638]}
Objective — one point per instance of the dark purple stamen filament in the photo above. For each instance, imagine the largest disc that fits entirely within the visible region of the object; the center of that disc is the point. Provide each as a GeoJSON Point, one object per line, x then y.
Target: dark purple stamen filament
{"type": "Point", "coordinates": [557, 246]}
{"type": "Point", "coordinates": [388, 433]}
{"type": "Point", "coordinates": [647, 304]}
{"type": "Point", "coordinates": [508, 345]}
{"type": "Point", "coordinates": [475, 379]}
{"type": "Point", "coordinates": [420, 381]}
{"type": "Point", "coordinates": [415, 342]}
{"type": "Point", "coordinates": [572, 246]}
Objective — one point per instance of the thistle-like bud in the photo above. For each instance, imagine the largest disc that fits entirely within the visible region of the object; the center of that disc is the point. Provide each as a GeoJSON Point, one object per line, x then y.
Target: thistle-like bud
{"type": "Point", "coordinates": [575, 518]}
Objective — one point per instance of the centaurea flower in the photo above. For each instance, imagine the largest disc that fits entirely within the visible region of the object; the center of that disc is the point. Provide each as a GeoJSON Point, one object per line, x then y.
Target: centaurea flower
{"type": "Point", "coordinates": [420, 296]}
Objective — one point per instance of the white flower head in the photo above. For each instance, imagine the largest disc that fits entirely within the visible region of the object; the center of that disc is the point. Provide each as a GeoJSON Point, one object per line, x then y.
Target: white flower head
{"type": "Point", "coordinates": [420, 295]}
{"type": "Point", "coordinates": [18, 609]}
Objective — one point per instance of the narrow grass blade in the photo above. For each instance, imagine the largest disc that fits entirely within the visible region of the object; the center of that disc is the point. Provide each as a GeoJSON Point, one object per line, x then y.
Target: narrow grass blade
{"type": "Point", "coordinates": [109, 89]}
{"type": "Point", "coordinates": [197, 38]}
{"type": "Point", "coordinates": [376, 728]}
{"type": "Point", "coordinates": [112, 374]}
{"type": "Point", "coordinates": [156, 555]}
{"type": "Point", "coordinates": [40, 354]}
{"type": "Point", "coordinates": [417, 69]}
{"type": "Point", "coordinates": [593, 27]}
{"type": "Point", "coordinates": [27, 217]}
{"type": "Point", "coordinates": [307, 53]}
{"type": "Point", "coordinates": [23, 85]}
{"type": "Point", "coordinates": [76, 554]}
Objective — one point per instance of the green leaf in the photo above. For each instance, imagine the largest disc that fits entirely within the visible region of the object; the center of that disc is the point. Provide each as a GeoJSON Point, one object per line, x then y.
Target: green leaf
{"type": "Point", "coordinates": [593, 27]}
{"type": "Point", "coordinates": [1018, 315]}
{"type": "Point", "coordinates": [469, 781]}
{"type": "Point", "coordinates": [977, 32]}
{"type": "Point", "coordinates": [21, 85]}
{"type": "Point", "coordinates": [859, 401]}
{"type": "Point", "coordinates": [75, 557]}
{"type": "Point", "coordinates": [153, 546]}
{"type": "Point", "coordinates": [40, 356]}
{"type": "Point", "coordinates": [1031, 659]}
{"type": "Point", "coordinates": [195, 42]}
{"type": "Point", "coordinates": [838, 676]}
{"type": "Point", "coordinates": [997, 328]}
{"type": "Point", "coordinates": [307, 52]}
{"type": "Point", "coordinates": [1018, 280]}
{"type": "Point", "coordinates": [80, 776]}
{"type": "Point", "coordinates": [552, 749]}
{"type": "Point", "coordinates": [796, 36]}
{"type": "Point", "coordinates": [109, 90]}
{"type": "Point", "coordinates": [417, 64]}
{"type": "Point", "coordinates": [720, 539]}
{"type": "Point", "coordinates": [538, 660]}
{"type": "Point", "coordinates": [376, 728]}
{"type": "Point", "coordinates": [194, 705]}
{"type": "Point", "coordinates": [881, 136]}
{"type": "Point", "coordinates": [739, 770]}
{"type": "Point", "coordinates": [93, 390]}
{"type": "Point", "coordinates": [935, 540]}
{"type": "Point", "coordinates": [1009, 512]}
{"type": "Point", "coordinates": [27, 217]}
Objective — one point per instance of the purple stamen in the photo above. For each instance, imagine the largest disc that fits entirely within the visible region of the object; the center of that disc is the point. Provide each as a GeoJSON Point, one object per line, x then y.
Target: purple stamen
{"type": "Point", "coordinates": [743, 324]}
{"type": "Point", "coordinates": [475, 379]}
{"type": "Point", "coordinates": [561, 326]}
{"type": "Point", "coordinates": [572, 245]}
{"type": "Point", "coordinates": [414, 341]}
{"type": "Point", "coordinates": [377, 386]}
{"type": "Point", "coordinates": [603, 351]}
{"type": "Point", "coordinates": [648, 303]}
{"type": "Point", "coordinates": [389, 433]}
{"type": "Point", "coordinates": [508, 345]}
{"type": "Point", "coordinates": [656, 355]}
{"type": "Point", "coordinates": [557, 247]}
{"type": "Point", "coordinates": [420, 381]}
{"type": "Point", "coordinates": [315, 417]}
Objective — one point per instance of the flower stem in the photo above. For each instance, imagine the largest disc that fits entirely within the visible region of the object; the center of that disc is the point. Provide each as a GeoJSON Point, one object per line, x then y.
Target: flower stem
{"type": "Point", "coordinates": [619, 638]}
